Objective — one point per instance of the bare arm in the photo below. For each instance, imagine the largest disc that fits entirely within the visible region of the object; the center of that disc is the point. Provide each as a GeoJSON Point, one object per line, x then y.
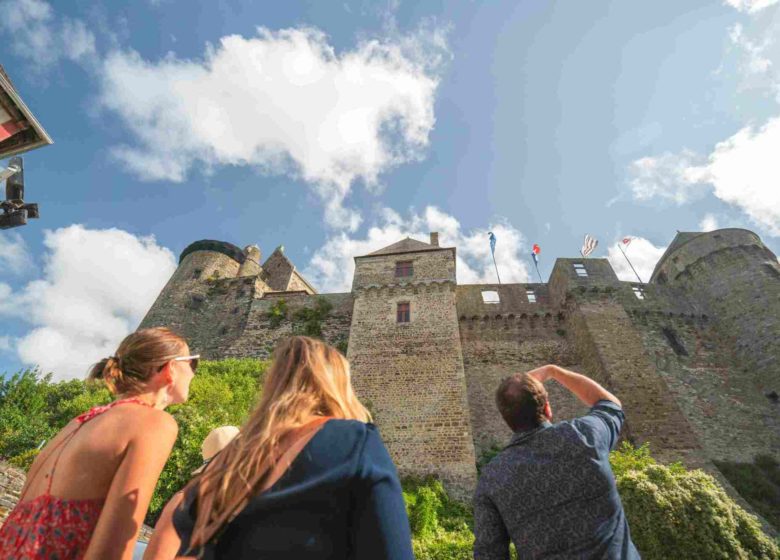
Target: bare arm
{"type": "Point", "coordinates": [584, 388]}
{"type": "Point", "coordinates": [165, 542]}
{"type": "Point", "coordinates": [131, 489]}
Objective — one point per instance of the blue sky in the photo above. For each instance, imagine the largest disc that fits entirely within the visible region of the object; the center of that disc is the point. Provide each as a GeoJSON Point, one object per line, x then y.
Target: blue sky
{"type": "Point", "coordinates": [336, 128]}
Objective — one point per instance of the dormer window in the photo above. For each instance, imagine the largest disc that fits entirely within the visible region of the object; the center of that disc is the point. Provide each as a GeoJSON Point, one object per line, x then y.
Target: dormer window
{"type": "Point", "coordinates": [531, 295]}
{"type": "Point", "coordinates": [639, 292]}
{"type": "Point", "coordinates": [403, 269]}
{"type": "Point", "coordinates": [579, 268]}
{"type": "Point", "coordinates": [403, 312]}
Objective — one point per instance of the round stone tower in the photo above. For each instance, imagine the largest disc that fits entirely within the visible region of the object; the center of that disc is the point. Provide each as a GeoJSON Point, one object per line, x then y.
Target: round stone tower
{"type": "Point", "coordinates": [200, 265]}
{"type": "Point", "coordinates": [251, 264]}
{"type": "Point", "coordinates": [735, 280]}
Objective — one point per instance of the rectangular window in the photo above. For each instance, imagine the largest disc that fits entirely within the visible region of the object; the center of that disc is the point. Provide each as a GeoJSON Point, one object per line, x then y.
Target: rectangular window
{"type": "Point", "coordinates": [490, 296]}
{"type": "Point", "coordinates": [579, 268]}
{"type": "Point", "coordinates": [402, 314]}
{"type": "Point", "coordinates": [403, 269]}
{"type": "Point", "coordinates": [531, 296]}
{"type": "Point", "coordinates": [639, 292]}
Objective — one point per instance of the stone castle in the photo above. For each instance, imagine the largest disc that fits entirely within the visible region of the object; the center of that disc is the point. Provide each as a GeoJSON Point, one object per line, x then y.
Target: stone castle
{"type": "Point", "coordinates": [694, 354]}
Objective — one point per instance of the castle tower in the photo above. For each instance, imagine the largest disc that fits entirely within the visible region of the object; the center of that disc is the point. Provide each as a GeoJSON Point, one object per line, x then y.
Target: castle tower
{"type": "Point", "coordinates": [190, 305]}
{"type": "Point", "coordinates": [407, 361]}
{"type": "Point", "coordinates": [251, 265]}
{"type": "Point", "coordinates": [734, 279]}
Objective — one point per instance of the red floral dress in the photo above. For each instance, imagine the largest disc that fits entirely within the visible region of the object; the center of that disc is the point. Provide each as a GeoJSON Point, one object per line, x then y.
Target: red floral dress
{"type": "Point", "coordinates": [51, 528]}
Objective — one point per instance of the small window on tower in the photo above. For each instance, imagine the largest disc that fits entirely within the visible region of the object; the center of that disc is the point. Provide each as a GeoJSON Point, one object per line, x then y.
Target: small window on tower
{"type": "Point", "coordinates": [639, 292]}
{"type": "Point", "coordinates": [531, 295]}
{"type": "Point", "coordinates": [674, 341]}
{"type": "Point", "coordinates": [579, 268]}
{"type": "Point", "coordinates": [403, 269]}
{"type": "Point", "coordinates": [490, 296]}
{"type": "Point", "coordinates": [402, 314]}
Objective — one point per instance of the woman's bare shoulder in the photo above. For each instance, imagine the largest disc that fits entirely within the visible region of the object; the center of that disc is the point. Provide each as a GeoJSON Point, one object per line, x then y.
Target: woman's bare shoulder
{"type": "Point", "coordinates": [146, 421]}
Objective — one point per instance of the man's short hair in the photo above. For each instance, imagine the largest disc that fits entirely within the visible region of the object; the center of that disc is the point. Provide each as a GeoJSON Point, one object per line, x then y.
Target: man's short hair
{"type": "Point", "coordinates": [520, 400]}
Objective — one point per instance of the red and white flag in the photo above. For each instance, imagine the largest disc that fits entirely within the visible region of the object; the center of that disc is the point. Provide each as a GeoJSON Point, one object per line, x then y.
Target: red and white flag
{"type": "Point", "coordinates": [627, 241]}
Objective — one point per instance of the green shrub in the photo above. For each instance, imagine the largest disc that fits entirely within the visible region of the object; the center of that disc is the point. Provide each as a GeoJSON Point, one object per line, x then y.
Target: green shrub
{"type": "Point", "coordinates": [24, 459]}
{"type": "Point", "coordinates": [675, 513]}
{"type": "Point", "coordinates": [758, 483]}
{"type": "Point", "coordinates": [307, 321]}
{"type": "Point", "coordinates": [277, 313]}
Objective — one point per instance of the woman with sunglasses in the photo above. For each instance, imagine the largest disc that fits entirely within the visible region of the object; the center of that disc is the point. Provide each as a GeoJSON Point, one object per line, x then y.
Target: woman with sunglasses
{"type": "Point", "coordinates": [88, 490]}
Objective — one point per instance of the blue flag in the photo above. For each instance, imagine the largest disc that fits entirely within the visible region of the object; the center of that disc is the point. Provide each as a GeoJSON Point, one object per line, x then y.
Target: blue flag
{"type": "Point", "coordinates": [492, 242]}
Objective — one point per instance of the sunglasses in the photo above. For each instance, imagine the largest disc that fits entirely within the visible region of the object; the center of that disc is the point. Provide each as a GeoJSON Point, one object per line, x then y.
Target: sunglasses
{"type": "Point", "coordinates": [193, 360]}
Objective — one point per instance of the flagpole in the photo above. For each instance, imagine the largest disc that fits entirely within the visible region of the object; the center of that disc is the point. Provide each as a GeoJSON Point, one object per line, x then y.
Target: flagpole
{"type": "Point", "coordinates": [629, 263]}
{"type": "Point", "coordinates": [536, 264]}
{"type": "Point", "coordinates": [494, 264]}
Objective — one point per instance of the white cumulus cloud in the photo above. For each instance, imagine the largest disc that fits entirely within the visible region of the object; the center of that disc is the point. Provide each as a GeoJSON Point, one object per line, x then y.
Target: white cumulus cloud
{"type": "Point", "coordinates": [332, 266]}
{"type": "Point", "coordinates": [34, 32]}
{"type": "Point", "coordinates": [750, 6]}
{"type": "Point", "coordinates": [14, 257]}
{"type": "Point", "coordinates": [743, 170]}
{"type": "Point", "coordinates": [95, 287]}
{"type": "Point", "coordinates": [708, 223]}
{"type": "Point", "coordinates": [284, 102]}
{"type": "Point", "coordinates": [643, 255]}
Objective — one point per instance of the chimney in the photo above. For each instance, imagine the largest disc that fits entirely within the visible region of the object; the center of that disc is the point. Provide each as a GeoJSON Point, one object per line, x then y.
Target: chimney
{"type": "Point", "coordinates": [435, 238]}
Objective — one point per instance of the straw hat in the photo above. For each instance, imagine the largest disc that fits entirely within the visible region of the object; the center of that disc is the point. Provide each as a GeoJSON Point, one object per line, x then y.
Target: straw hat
{"type": "Point", "coordinates": [215, 442]}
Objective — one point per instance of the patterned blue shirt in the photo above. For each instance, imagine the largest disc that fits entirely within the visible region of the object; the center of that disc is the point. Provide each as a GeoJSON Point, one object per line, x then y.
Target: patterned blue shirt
{"type": "Point", "coordinates": [552, 492]}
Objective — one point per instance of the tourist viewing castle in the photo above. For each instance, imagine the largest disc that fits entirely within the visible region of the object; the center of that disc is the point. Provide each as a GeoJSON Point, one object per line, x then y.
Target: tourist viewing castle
{"type": "Point", "coordinates": [694, 354]}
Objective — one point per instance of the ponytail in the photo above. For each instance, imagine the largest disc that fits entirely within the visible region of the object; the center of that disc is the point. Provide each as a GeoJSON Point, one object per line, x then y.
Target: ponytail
{"type": "Point", "coordinates": [109, 370]}
{"type": "Point", "coordinates": [140, 355]}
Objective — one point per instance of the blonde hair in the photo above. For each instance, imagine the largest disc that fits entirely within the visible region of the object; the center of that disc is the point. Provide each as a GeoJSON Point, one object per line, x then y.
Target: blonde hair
{"type": "Point", "coordinates": [137, 359]}
{"type": "Point", "coordinates": [308, 379]}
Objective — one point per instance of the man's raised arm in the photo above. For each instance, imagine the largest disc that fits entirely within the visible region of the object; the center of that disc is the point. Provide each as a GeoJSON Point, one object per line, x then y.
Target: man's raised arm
{"type": "Point", "coordinates": [584, 388]}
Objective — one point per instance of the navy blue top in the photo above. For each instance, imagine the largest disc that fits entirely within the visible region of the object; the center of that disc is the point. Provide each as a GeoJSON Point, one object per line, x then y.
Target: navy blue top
{"type": "Point", "coordinates": [340, 498]}
{"type": "Point", "coordinates": [553, 493]}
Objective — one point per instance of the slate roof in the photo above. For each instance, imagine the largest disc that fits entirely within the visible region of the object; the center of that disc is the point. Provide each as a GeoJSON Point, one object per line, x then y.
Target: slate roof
{"type": "Point", "coordinates": [407, 245]}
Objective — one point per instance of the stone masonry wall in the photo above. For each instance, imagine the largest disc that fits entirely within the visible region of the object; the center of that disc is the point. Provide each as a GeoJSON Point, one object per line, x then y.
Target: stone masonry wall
{"type": "Point", "coordinates": [411, 374]}
{"type": "Point", "coordinates": [11, 483]}
{"type": "Point", "coordinates": [501, 339]}
{"type": "Point", "coordinates": [259, 335]}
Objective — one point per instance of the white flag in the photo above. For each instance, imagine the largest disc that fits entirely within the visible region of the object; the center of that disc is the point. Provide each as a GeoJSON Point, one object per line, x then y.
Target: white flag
{"type": "Point", "coordinates": [589, 245]}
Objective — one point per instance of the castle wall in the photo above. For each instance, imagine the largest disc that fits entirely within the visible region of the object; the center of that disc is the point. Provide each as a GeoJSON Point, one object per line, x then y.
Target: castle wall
{"type": "Point", "coordinates": [11, 484]}
{"type": "Point", "coordinates": [411, 374]}
{"type": "Point", "coordinates": [260, 334]}
{"type": "Point", "coordinates": [509, 337]}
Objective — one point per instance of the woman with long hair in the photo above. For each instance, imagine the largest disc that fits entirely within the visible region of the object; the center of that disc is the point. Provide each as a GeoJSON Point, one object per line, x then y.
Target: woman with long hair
{"type": "Point", "coordinates": [308, 476]}
{"type": "Point", "coordinates": [88, 490]}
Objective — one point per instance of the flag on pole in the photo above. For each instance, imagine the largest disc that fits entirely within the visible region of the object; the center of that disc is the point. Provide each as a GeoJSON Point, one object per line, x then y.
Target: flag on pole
{"type": "Point", "coordinates": [534, 252]}
{"type": "Point", "coordinates": [627, 241]}
{"type": "Point", "coordinates": [492, 242]}
{"type": "Point", "coordinates": [589, 245]}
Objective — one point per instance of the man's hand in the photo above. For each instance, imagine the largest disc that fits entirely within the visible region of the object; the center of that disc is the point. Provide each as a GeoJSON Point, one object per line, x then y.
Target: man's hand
{"type": "Point", "coordinates": [542, 374]}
